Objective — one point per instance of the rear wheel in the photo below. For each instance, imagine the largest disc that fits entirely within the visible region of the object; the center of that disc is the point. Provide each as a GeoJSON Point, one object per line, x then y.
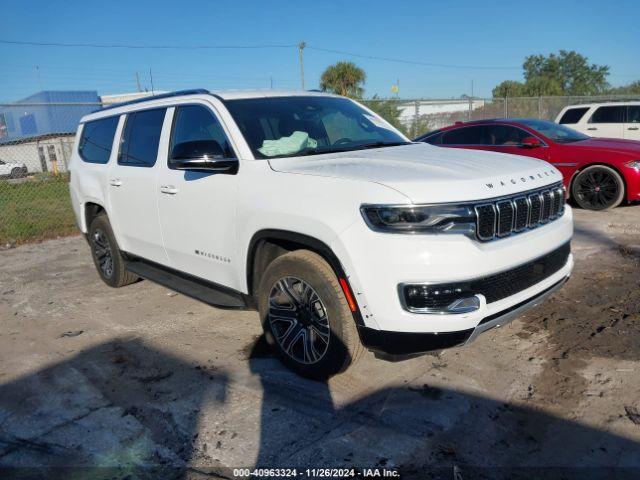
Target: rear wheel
{"type": "Point", "coordinates": [305, 316]}
{"type": "Point", "coordinates": [598, 188]}
{"type": "Point", "coordinates": [107, 257]}
{"type": "Point", "coordinates": [15, 172]}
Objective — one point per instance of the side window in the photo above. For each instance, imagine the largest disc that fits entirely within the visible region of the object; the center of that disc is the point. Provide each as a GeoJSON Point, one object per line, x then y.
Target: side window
{"type": "Point", "coordinates": [434, 138]}
{"type": "Point", "coordinates": [194, 123]}
{"type": "Point", "coordinates": [573, 115]}
{"type": "Point", "coordinates": [504, 135]}
{"type": "Point", "coordinates": [613, 114]}
{"type": "Point", "coordinates": [633, 114]}
{"type": "Point", "coordinates": [139, 147]}
{"type": "Point", "coordinates": [96, 140]}
{"type": "Point", "coordinates": [465, 136]}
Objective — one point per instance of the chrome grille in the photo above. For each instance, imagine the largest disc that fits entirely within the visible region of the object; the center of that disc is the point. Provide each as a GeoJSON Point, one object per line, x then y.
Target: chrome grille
{"type": "Point", "coordinates": [522, 213]}
{"type": "Point", "coordinates": [535, 203]}
{"type": "Point", "coordinates": [547, 206]}
{"type": "Point", "coordinates": [486, 221]}
{"type": "Point", "coordinates": [506, 216]}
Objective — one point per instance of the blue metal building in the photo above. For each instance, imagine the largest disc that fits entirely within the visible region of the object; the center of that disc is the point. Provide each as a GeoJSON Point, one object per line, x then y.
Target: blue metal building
{"type": "Point", "coordinates": [45, 113]}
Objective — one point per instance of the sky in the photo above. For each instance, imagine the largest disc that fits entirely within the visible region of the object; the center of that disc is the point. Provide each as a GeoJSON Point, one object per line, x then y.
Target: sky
{"type": "Point", "coordinates": [452, 44]}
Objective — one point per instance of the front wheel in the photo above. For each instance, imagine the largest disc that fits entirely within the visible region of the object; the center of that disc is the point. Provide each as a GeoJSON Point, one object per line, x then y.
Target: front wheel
{"type": "Point", "coordinates": [305, 316]}
{"type": "Point", "coordinates": [598, 188]}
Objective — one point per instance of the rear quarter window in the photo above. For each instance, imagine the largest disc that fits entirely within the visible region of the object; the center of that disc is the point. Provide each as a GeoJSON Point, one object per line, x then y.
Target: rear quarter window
{"type": "Point", "coordinates": [573, 115]}
{"type": "Point", "coordinates": [97, 139]}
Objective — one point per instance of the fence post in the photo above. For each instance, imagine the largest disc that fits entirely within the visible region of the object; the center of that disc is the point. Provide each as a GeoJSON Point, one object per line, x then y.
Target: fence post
{"type": "Point", "coordinates": [416, 118]}
{"type": "Point", "coordinates": [540, 107]}
{"type": "Point", "coordinates": [470, 109]}
{"type": "Point", "coordinates": [506, 107]}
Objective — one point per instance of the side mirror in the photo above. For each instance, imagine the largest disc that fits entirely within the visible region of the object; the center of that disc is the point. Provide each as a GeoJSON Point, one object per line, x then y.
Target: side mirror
{"type": "Point", "coordinates": [530, 142]}
{"type": "Point", "coordinates": [202, 156]}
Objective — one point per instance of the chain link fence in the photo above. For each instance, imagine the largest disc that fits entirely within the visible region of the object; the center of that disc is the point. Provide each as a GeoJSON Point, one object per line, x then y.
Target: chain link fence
{"type": "Point", "coordinates": [36, 142]}
{"type": "Point", "coordinates": [417, 116]}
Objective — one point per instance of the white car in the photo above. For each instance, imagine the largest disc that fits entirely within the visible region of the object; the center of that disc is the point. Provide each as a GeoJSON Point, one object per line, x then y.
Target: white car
{"type": "Point", "coordinates": [12, 170]}
{"type": "Point", "coordinates": [608, 120]}
{"type": "Point", "coordinates": [315, 211]}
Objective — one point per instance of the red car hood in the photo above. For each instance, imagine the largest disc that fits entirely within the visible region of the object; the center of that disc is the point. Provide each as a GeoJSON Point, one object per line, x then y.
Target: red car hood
{"type": "Point", "coordinates": [614, 145]}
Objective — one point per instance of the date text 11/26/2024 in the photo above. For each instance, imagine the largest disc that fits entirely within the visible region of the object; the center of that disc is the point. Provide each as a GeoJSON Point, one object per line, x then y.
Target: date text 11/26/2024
{"type": "Point", "coordinates": [316, 473]}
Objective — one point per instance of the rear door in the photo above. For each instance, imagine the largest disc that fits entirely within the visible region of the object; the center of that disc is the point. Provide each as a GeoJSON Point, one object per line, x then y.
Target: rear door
{"type": "Point", "coordinates": [632, 127]}
{"type": "Point", "coordinates": [607, 121]}
{"type": "Point", "coordinates": [132, 185]}
{"type": "Point", "coordinates": [198, 209]}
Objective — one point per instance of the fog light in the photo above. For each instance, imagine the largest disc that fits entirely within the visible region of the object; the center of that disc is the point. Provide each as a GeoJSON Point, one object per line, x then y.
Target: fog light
{"type": "Point", "coordinates": [443, 298]}
{"type": "Point", "coordinates": [464, 305]}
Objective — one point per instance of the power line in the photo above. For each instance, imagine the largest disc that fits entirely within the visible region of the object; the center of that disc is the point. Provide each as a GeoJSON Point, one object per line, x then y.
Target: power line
{"type": "Point", "coordinates": [411, 62]}
{"type": "Point", "coordinates": [138, 46]}
{"type": "Point", "coordinates": [274, 46]}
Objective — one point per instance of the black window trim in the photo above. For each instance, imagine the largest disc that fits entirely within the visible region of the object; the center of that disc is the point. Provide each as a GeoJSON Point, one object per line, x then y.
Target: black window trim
{"type": "Point", "coordinates": [124, 127]}
{"type": "Point", "coordinates": [529, 134]}
{"type": "Point", "coordinates": [215, 115]}
{"type": "Point", "coordinates": [115, 136]}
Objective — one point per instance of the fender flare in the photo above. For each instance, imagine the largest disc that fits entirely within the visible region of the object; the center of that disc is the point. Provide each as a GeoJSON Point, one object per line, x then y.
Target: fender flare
{"type": "Point", "coordinates": [311, 243]}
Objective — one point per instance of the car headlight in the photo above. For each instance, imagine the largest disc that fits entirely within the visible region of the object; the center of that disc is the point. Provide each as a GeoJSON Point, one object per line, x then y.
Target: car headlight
{"type": "Point", "coordinates": [635, 164]}
{"type": "Point", "coordinates": [447, 218]}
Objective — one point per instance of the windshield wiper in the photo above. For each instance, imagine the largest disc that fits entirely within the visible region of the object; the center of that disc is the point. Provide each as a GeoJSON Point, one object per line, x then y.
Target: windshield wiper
{"type": "Point", "coordinates": [379, 145]}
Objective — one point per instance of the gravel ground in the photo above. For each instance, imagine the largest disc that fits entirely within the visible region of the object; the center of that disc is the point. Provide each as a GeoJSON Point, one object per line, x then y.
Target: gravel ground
{"type": "Point", "coordinates": [141, 382]}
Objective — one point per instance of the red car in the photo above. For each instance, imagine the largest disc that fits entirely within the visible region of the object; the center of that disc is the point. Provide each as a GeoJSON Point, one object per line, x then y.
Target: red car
{"type": "Point", "coordinates": [599, 173]}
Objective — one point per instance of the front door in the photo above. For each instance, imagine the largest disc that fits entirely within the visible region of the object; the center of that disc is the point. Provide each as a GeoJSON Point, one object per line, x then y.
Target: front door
{"type": "Point", "coordinates": [607, 122]}
{"type": "Point", "coordinates": [198, 209]}
{"type": "Point", "coordinates": [131, 186]}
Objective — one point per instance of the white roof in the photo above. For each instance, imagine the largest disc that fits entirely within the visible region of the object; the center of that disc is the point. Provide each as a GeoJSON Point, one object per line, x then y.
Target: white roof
{"type": "Point", "coordinates": [117, 109]}
{"type": "Point", "coordinates": [602, 104]}
{"type": "Point", "coordinates": [237, 94]}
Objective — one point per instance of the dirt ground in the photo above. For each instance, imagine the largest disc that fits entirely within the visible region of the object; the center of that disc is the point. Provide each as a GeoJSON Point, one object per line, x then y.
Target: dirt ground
{"type": "Point", "coordinates": [141, 382]}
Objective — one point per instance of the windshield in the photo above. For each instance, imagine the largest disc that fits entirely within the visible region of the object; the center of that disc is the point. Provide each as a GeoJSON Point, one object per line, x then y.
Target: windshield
{"type": "Point", "coordinates": [292, 126]}
{"type": "Point", "coordinates": [555, 132]}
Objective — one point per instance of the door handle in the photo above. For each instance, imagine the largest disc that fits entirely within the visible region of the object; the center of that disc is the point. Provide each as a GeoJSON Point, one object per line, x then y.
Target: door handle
{"type": "Point", "coordinates": [115, 182]}
{"type": "Point", "coordinates": [632, 128]}
{"type": "Point", "coordinates": [592, 128]}
{"type": "Point", "coordinates": [168, 189]}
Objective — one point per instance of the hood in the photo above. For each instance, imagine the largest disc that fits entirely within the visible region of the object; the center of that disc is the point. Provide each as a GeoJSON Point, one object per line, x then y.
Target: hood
{"type": "Point", "coordinates": [611, 145]}
{"type": "Point", "coordinates": [428, 174]}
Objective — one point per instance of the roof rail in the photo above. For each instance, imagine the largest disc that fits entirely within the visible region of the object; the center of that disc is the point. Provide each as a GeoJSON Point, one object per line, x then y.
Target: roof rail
{"type": "Point", "coordinates": [157, 97]}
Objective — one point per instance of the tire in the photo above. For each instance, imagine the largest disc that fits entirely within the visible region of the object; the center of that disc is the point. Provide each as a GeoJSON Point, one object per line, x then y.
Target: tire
{"type": "Point", "coordinates": [598, 188]}
{"type": "Point", "coordinates": [107, 257]}
{"type": "Point", "coordinates": [15, 172]}
{"type": "Point", "coordinates": [299, 292]}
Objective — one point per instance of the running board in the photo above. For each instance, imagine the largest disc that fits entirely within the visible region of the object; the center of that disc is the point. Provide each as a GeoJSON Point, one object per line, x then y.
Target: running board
{"type": "Point", "coordinates": [194, 287]}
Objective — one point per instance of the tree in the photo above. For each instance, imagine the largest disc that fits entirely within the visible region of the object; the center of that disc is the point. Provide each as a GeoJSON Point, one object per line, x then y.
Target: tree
{"type": "Point", "coordinates": [565, 73]}
{"type": "Point", "coordinates": [632, 89]}
{"type": "Point", "coordinates": [344, 78]}
{"type": "Point", "coordinates": [509, 88]}
{"type": "Point", "coordinates": [387, 109]}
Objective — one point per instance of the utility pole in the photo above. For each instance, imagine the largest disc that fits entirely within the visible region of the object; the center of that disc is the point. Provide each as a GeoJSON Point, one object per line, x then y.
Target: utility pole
{"type": "Point", "coordinates": [151, 77]}
{"type": "Point", "coordinates": [138, 82]}
{"type": "Point", "coordinates": [38, 76]}
{"type": "Point", "coordinates": [301, 46]}
{"type": "Point", "coordinates": [271, 78]}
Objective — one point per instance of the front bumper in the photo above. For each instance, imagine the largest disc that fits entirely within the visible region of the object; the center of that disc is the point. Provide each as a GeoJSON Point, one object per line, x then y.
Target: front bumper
{"type": "Point", "coordinates": [402, 344]}
{"type": "Point", "coordinates": [377, 263]}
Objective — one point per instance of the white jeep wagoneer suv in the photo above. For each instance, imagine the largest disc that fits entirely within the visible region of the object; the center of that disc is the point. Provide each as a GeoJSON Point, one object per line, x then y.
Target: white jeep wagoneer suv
{"type": "Point", "coordinates": [315, 211]}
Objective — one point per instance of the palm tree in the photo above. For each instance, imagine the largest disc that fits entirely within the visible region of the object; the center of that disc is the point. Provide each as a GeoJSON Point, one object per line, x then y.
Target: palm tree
{"type": "Point", "coordinates": [343, 78]}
